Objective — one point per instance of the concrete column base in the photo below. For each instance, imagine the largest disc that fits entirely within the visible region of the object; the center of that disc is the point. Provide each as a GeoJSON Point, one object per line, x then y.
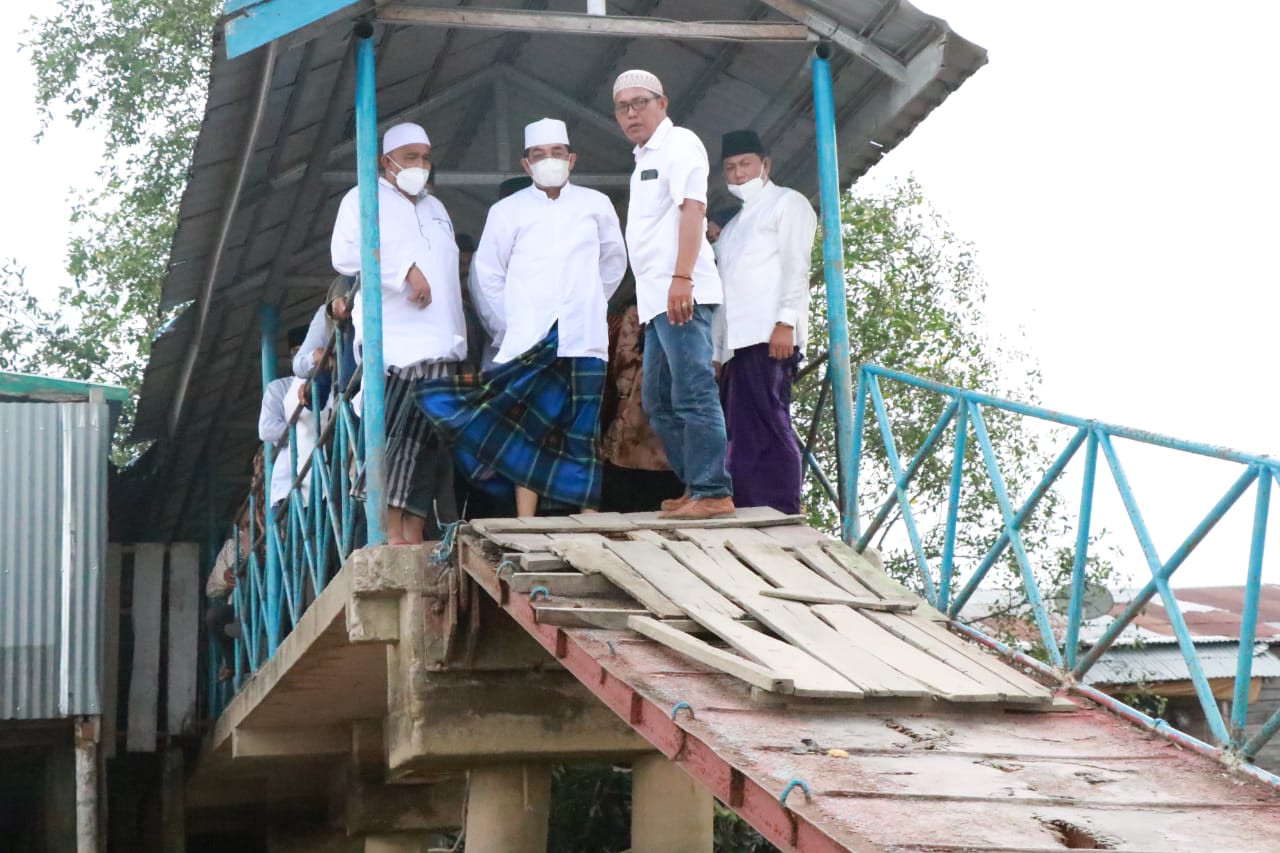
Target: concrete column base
{"type": "Point", "coordinates": [670, 813]}
{"type": "Point", "coordinates": [507, 808]}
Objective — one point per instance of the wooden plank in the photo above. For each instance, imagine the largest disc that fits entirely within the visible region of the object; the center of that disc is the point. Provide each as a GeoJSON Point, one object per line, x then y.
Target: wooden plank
{"type": "Point", "coordinates": [537, 561]}
{"type": "Point", "coordinates": [567, 584]}
{"type": "Point", "coordinates": [111, 650]}
{"type": "Point", "coordinates": [925, 634]}
{"type": "Point", "coordinates": [860, 567]}
{"type": "Point", "coordinates": [824, 564]}
{"type": "Point", "coordinates": [874, 641]}
{"type": "Point", "coordinates": [781, 568]}
{"type": "Point", "coordinates": [593, 558]}
{"type": "Point", "coordinates": [718, 568]}
{"type": "Point", "coordinates": [656, 565]}
{"type": "Point", "coordinates": [884, 605]}
{"type": "Point", "coordinates": [796, 535]}
{"type": "Point", "coordinates": [794, 623]}
{"type": "Point", "coordinates": [717, 538]}
{"type": "Point", "coordinates": [144, 680]}
{"type": "Point", "coordinates": [749, 671]}
{"type": "Point", "coordinates": [749, 517]}
{"type": "Point", "coordinates": [183, 639]}
{"type": "Point", "coordinates": [604, 521]}
{"type": "Point", "coordinates": [810, 677]}
{"type": "Point", "coordinates": [641, 534]}
{"type": "Point", "coordinates": [608, 618]}
{"type": "Point", "coordinates": [519, 541]}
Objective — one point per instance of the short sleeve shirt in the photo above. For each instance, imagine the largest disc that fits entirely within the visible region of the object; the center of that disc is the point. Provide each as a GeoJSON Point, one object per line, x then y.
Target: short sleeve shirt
{"type": "Point", "coordinates": [671, 167]}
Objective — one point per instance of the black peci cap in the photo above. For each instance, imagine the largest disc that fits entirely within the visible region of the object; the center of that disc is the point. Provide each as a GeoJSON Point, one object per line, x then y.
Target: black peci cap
{"type": "Point", "coordinates": [737, 142]}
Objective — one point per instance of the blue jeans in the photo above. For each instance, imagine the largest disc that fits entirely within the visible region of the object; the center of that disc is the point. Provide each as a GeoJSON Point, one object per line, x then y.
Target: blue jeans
{"type": "Point", "coordinates": [683, 403]}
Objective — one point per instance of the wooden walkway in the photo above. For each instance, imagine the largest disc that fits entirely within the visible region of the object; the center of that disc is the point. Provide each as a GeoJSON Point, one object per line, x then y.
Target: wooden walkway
{"type": "Point", "coordinates": [760, 597]}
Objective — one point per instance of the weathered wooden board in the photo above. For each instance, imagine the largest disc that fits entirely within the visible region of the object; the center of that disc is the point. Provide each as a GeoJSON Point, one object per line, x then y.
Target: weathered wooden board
{"type": "Point", "coordinates": [183, 635]}
{"type": "Point", "coordinates": [874, 641]}
{"type": "Point", "coordinates": [749, 671]}
{"type": "Point", "coordinates": [615, 522]}
{"type": "Point", "coordinates": [144, 678]}
{"type": "Point", "coordinates": [608, 618]}
{"type": "Point", "coordinates": [592, 557]}
{"type": "Point", "coordinates": [850, 570]}
{"type": "Point", "coordinates": [716, 562]}
{"type": "Point", "coordinates": [518, 541]}
{"type": "Point", "coordinates": [111, 650]}
{"type": "Point", "coordinates": [656, 565]}
{"type": "Point", "coordinates": [781, 568]}
{"type": "Point", "coordinates": [857, 602]}
{"type": "Point", "coordinates": [567, 584]}
{"type": "Point", "coordinates": [535, 561]}
{"type": "Point", "coordinates": [935, 639]}
{"type": "Point", "coordinates": [796, 624]}
{"type": "Point", "coordinates": [810, 677]}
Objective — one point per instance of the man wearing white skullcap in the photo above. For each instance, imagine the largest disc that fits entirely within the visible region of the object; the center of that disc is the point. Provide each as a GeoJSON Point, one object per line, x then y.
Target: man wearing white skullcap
{"type": "Point", "coordinates": [550, 257]}
{"type": "Point", "coordinates": [423, 330]}
{"type": "Point", "coordinates": [677, 292]}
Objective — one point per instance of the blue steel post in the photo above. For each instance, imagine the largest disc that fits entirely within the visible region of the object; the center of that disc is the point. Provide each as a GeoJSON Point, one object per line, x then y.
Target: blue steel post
{"type": "Point", "coordinates": [953, 504]}
{"type": "Point", "coordinates": [1076, 612]}
{"type": "Point", "coordinates": [824, 114]}
{"type": "Point", "coordinates": [1249, 614]}
{"type": "Point", "coordinates": [373, 421]}
{"type": "Point", "coordinates": [269, 320]}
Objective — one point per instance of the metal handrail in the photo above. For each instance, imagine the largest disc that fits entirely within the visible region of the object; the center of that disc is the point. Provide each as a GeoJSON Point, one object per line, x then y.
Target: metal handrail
{"type": "Point", "coordinates": [1068, 659]}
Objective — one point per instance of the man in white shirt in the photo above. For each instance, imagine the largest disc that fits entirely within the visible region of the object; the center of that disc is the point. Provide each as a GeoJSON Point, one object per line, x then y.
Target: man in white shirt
{"type": "Point", "coordinates": [550, 257]}
{"type": "Point", "coordinates": [677, 289]}
{"type": "Point", "coordinates": [281, 399]}
{"type": "Point", "coordinates": [764, 254]}
{"type": "Point", "coordinates": [423, 331]}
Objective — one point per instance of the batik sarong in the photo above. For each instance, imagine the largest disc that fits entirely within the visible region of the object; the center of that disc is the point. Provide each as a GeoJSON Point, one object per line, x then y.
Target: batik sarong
{"type": "Point", "coordinates": [532, 422]}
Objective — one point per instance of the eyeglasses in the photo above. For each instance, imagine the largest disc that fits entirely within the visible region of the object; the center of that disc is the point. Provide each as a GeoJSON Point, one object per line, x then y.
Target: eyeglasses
{"type": "Point", "coordinates": [638, 104]}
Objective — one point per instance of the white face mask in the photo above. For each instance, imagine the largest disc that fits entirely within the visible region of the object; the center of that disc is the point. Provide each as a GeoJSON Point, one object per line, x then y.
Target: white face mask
{"type": "Point", "coordinates": [550, 172]}
{"type": "Point", "coordinates": [413, 179]}
{"type": "Point", "coordinates": [747, 191]}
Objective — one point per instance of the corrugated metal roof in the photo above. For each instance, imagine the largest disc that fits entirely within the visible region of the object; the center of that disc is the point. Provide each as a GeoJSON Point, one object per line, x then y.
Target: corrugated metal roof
{"type": "Point", "coordinates": [1154, 664]}
{"type": "Point", "coordinates": [462, 76]}
{"type": "Point", "coordinates": [53, 503]}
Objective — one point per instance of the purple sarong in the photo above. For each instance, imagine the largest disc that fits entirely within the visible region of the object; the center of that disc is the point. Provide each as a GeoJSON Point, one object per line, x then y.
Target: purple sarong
{"type": "Point", "coordinates": [763, 456]}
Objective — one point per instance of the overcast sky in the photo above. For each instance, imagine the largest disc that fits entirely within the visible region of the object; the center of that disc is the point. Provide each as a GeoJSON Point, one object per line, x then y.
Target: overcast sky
{"type": "Point", "coordinates": [1115, 165]}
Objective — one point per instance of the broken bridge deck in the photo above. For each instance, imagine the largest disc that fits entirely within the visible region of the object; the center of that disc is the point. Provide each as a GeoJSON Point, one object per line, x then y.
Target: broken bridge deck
{"type": "Point", "coordinates": [923, 742]}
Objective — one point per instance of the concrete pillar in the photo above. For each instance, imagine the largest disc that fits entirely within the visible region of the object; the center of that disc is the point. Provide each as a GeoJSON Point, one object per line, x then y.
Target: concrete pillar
{"type": "Point", "coordinates": [86, 785]}
{"type": "Point", "coordinates": [507, 808]}
{"type": "Point", "coordinates": [403, 842]}
{"type": "Point", "coordinates": [670, 813]}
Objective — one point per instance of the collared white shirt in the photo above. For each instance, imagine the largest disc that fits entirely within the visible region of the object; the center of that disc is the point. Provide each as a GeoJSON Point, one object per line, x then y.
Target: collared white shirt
{"type": "Point", "coordinates": [412, 234]}
{"type": "Point", "coordinates": [279, 402]}
{"type": "Point", "coordinates": [671, 167]}
{"type": "Point", "coordinates": [764, 255]}
{"type": "Point", "coordinates": [543, 260]}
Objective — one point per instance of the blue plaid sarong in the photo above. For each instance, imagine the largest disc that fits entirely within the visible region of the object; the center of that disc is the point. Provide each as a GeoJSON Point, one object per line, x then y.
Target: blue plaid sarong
{"type": "Point", "coordinates": [533, 422]}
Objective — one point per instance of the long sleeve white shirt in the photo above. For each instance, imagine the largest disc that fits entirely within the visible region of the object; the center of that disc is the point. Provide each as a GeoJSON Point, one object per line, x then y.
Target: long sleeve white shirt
{"type": "Point", "coordinates": [542, 261]}
{"type": "Point", "coordinates": [764, 255]}
{"type": "Point", "coordinates": [413, 233]}
{"type": "Point", "coordinates": [279, 402]}
{"type": "Point", "coordinates": [317, 338]}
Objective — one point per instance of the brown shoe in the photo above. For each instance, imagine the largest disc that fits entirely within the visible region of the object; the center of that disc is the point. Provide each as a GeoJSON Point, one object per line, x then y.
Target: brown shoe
{"type": "Point", "coordinates": [671, 504]}
{"type": "Point", "coordinates": [700, 509]}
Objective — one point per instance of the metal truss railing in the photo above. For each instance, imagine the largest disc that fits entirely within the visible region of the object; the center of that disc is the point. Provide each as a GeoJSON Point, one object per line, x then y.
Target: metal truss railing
{"type": "Point", "coordinates": [1068, 659]}
{"type": "Point", "coordinates": [307, 536]}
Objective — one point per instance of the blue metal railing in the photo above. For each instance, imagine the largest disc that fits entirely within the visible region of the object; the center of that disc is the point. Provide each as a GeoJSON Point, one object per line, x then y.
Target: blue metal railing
{"type": "Point", "coordinates": [965, 414]}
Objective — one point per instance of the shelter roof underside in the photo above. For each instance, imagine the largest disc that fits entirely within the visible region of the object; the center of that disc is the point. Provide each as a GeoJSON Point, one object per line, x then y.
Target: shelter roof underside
{"type": "Point", "coordinates": [473, 89]}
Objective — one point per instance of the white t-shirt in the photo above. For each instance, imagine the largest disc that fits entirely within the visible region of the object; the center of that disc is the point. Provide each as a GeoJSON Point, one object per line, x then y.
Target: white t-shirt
{"type": "Point", "coordinates": [671, 167]}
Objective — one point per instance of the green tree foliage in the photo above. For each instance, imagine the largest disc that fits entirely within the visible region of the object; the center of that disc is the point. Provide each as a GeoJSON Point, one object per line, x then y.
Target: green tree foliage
{"type": "Point", "coordinates": [916, 303]}
{"type": "Point", "coordinates": [136, 70]}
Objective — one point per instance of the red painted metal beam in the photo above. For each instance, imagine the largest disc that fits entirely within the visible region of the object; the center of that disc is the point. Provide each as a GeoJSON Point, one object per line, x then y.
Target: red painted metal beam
{"type": "Point", "coordinates": [677, 738]}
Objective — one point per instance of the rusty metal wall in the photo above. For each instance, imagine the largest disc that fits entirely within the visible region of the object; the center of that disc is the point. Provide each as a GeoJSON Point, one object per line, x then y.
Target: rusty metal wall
{"type": "Point", "coordinates": [53, 503]}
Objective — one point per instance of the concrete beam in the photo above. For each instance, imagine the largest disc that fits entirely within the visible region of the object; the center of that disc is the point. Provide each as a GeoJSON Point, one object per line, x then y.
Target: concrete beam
{"type": "Point", "coordinates": [625, 26]}
{"type": "Point", "coordinates": [290, 743]}
{"type": "Point", "coordinates": [456, 720]}
{"type": "Point", "coordinates": [361, 807]}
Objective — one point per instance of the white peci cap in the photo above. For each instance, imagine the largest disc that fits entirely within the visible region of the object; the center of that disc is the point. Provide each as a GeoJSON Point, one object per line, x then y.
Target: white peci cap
{"type": "Point", "coordinates": [546, 131]}
{"type": "Point", "coordinates": [400, 135]}
{"type": "Point", "coordinates": [637, 77]}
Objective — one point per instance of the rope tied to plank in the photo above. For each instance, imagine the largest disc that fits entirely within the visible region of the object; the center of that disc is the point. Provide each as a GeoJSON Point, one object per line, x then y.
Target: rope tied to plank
{"type": "Point", "coordinates": [683, 705]}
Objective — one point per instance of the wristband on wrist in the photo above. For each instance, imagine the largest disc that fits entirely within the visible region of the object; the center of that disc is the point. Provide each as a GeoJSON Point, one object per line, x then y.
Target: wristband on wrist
{"type": "Point", "coordinates": [685, 277]}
